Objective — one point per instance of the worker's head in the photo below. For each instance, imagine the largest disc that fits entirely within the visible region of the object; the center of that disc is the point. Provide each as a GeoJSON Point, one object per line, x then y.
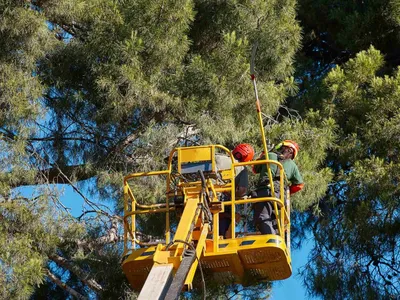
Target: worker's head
{"type": "Point", "coordinates": [243, 152]}
{"type": "Point", "coordinates": [288, 149]}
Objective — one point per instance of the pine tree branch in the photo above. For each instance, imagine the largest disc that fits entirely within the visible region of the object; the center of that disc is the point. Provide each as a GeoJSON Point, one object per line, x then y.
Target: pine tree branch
{"type": "Point", "coordinates": [62, 285]}
{"type": "Point", "coordinates": [123, 143]}
{"type": "Point", "coordinates": [110, 237]}
{"type": "Point", "coordinates": [61, 139]}
{"type": "Point", "coordinates": [7, 133]}
{"type": "Point", "coordinates": [82, 275]}
{"type": "Point", "coordinates": [62, 174]}
{"type": "Point", "coordinates": [53, 175]}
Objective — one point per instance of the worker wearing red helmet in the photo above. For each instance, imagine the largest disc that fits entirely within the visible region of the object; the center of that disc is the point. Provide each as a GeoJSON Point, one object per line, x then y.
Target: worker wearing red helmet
{"type": "Point", "coordinates": [286, 152]}
{"type": "Point", "coordinates": [241, 153]}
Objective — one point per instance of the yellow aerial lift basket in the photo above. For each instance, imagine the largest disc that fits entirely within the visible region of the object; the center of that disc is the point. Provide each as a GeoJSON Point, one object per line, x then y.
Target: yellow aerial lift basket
{"type": "Point", "coordinates": [193, 186]}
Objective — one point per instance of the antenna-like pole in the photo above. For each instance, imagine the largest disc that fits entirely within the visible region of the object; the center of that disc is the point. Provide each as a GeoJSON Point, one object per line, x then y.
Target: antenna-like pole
{"type": "Point", "coordinates": [258, 106]}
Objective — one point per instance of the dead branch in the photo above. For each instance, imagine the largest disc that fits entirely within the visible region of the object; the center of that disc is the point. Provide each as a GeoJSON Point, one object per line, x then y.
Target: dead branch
{"type": "Point", "coordinates": [62, 285]}
{"type": "Point", "coordinates": [82, 275]}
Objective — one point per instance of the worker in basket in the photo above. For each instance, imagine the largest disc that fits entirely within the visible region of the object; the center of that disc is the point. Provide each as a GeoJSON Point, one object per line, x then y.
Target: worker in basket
{"type": "Point", "coordinates": [241, 153]}
{"type": "Point", "coordinates": [264, 214]}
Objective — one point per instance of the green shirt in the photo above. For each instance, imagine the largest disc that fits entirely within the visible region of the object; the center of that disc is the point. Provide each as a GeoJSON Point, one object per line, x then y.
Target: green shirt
{"type": "Point", "coordinates": [289, 166]}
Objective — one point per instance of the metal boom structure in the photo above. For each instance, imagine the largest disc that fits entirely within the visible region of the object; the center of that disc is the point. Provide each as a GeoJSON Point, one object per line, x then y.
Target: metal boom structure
{"type": "Point", "coordinates": [163, 269]}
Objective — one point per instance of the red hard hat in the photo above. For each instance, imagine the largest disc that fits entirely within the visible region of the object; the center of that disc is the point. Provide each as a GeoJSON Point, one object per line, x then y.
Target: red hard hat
{"type": "Point", "coordinates": [243, 152]}
{"type": "Point", "coordinates": [291, 144]}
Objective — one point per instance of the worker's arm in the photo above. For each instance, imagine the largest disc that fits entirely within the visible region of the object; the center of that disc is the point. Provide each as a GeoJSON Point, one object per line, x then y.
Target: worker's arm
{"type": "Point", "coordinates": [241, 183]}
{"type": "Point", "coordinates": [257, 168]}
{"type": "Point", "coordinates": [296, 180]}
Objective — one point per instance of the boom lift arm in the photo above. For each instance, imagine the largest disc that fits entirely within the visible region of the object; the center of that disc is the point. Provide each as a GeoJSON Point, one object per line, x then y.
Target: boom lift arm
{"type": "Point", "coordinates": [185, 254]}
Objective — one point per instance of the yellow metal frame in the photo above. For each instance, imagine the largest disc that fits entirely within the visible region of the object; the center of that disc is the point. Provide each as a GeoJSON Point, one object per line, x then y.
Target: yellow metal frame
{"type": "Point", "coordinates": [234, 251]}
{"type": "Point", "coordinates": [132, 207]}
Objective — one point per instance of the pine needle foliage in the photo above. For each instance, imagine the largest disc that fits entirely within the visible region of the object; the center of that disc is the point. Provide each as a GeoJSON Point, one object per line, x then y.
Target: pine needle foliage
{"type": "Point", "coordinates": [93, 90]}
{"type": "Point", "coordinates": [357, 244]}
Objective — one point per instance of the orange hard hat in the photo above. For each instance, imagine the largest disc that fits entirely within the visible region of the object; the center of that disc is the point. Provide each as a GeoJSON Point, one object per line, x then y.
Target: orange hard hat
{"type": "Point", "coordinates": [291, 144]}
{"type": "Point", "coordinates": [243, 152]}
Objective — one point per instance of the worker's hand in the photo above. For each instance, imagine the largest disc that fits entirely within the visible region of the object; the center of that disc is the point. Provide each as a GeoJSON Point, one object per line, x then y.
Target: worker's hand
{"type": "Point", "coordinates": [261, 155]}
{"type": "Point", "coordinates": [253, 194]}
{"type": "Point", "coordinates": [294, 188]}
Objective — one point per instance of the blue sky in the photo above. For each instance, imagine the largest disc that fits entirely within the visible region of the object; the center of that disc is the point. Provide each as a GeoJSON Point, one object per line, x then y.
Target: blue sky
{"type": "Point", "coordinates": [292, 288]}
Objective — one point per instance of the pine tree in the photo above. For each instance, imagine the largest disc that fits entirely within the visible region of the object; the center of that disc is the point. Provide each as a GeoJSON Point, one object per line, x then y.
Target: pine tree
{"type": "Point", "coordinates": [357, 240]}
{"type": "Point", "coordinates": [98, 89]}
{"type": "Point", "coordinates": [356, 85]}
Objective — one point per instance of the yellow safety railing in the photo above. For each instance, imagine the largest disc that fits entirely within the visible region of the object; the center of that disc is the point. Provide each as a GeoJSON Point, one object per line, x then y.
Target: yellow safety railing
{"type": "Point", "coordinates": [133, 208]}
